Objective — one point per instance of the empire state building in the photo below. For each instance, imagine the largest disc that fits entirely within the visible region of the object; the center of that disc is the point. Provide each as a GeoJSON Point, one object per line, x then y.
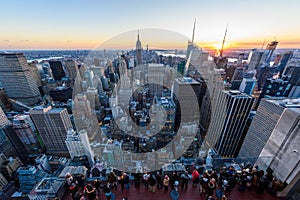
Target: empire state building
{"type": "Point", "coordinates": [139, 50]}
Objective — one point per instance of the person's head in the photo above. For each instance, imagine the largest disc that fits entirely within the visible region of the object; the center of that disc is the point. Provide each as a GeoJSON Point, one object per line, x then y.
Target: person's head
{"type": "Point", "coordinates": [166, 176]}
{"type": "Point", "coordinates": [176, 183]}
{"type": "Point", "coordinates": [68, 175]}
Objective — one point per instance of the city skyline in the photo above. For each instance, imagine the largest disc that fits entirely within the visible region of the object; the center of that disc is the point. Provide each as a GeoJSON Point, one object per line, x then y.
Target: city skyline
{"type": "Point", "coordinates": [78, 25]}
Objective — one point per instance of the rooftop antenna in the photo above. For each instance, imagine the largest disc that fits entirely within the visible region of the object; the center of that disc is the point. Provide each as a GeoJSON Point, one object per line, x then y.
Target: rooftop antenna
{"type": "Point", "coordinates": [194, 31]}
{"type": "Point", "coordinates": [222, 49]}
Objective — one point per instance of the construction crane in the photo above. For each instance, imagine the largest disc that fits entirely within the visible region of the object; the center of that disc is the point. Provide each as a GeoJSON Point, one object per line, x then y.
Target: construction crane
{"type": "Point", "coordinates": [194, 28]}
{"type": "Point", "coordinates": [222, 49]}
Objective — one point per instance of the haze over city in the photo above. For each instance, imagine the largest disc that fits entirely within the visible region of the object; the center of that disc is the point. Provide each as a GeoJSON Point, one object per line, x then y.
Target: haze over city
{"type": "Point", "coordinates": [80, 25]}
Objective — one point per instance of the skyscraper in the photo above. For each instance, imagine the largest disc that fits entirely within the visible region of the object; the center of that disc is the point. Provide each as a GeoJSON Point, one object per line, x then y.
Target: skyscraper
{"type": "Point", "coordinates": [57, 70]}
{"type": "Point", "coordinates": [273, 88]}
{"type": "Point", "coordinates": [284, 61]}
{"type": "Point", "coordinates": [52, 125]}
{"type": "Point", "coordinates": [267, 115]}
{"type": "Point", "coordinates": [25, 129]}
{"type": "Point", "coordinates": [124, 79]}
{"type": "Point", "coordinates": [5, 145]}
{"type": "Point", "coordinates": [267, 55]}
{"type": "Point", "coordinates": [78, 144]}
{"type": "Point", "coordinates": [17, 79]}
{"type": "Point", "coordinates": [139, 51]}
{"type": "Point", "coordinates": [35, 73]}
{"type": "Point", "coordinates": [254, 59]}
{"type": "Point", "coordinates": [72, 69]}
{"type": "Point", "coordinates": [84, 117]}
{"type": "Point", "coordinates": [291, 74]}
{"type": "Point", "coordinates": [282, 148]}
{"type": "Point", "coordinates": [187, 93]}
{"type": "Point", "coordinates": [225, 134]}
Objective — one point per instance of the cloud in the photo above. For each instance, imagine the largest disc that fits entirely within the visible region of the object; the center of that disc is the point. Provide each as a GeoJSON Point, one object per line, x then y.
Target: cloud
{"type": "Point", "coordinates": [5, 40]}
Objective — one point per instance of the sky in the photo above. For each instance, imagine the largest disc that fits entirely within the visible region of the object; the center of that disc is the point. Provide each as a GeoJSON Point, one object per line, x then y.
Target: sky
{"type": "Point", "coordinates": [81, 24]}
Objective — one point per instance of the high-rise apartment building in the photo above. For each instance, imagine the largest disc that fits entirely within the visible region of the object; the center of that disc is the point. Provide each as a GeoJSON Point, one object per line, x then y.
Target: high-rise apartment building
{"type": "Point", "coordinates": [226, 130]}
{"type": "Point", "coordinates": [52, 125]}
{"type": "Point", "coordinates": [17, 79]}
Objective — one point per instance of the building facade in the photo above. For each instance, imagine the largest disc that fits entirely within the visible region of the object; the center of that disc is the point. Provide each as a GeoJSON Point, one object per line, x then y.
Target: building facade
{"type": "Point", "coordinates": [78, 144]}
{"type": "Point", "coordinates": [226, 131]}
{"type": "Point", "coordinates": [52, 125]}
{"type": "Point", "coordinates": [17, 78]}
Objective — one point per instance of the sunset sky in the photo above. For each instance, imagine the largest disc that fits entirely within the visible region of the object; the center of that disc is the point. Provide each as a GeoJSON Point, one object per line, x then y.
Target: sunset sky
{"type": "Point", "coordinates": [79, 24]}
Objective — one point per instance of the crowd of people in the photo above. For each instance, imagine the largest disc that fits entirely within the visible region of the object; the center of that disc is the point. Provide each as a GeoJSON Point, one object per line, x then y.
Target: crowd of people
{"type": "Point", "coordinates": [211, 184]}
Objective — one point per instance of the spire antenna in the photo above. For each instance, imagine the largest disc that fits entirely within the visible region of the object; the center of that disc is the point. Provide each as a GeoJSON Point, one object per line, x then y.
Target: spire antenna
{"type": "Point", "coordinates": [194, 31]}
{"type": "Point", "coordinates": [222, 49]}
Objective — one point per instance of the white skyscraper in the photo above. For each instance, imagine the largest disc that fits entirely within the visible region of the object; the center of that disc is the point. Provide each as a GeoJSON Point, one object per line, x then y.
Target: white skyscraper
{"type": "Point", "coordinates": [78, 144]}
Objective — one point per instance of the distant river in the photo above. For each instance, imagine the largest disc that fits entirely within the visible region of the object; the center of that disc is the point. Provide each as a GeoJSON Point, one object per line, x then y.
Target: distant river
{"type": "Point", "coordinates": [41, 59]}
